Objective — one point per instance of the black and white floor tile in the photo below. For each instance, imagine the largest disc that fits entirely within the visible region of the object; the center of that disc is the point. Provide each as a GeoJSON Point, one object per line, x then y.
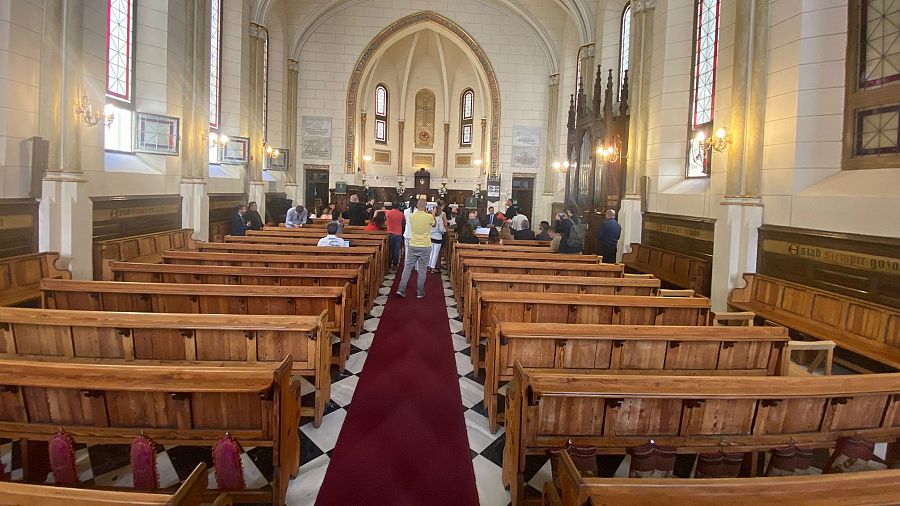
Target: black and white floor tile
{"type": "Point", "coordinates": [108, 465]}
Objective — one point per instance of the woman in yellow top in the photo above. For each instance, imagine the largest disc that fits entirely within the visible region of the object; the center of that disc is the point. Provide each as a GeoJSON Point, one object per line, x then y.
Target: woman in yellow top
{"type": "Point", "coordinates": [419, 251]}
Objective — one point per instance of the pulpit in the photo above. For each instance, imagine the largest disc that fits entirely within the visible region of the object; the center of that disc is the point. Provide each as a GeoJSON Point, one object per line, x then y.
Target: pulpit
{"type": "Point", "coordinates": [422, 181]}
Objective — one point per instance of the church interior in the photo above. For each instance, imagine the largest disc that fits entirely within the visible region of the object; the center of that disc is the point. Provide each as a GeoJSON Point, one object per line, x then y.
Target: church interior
{"type": "Point", "coordinates": [659, 260]}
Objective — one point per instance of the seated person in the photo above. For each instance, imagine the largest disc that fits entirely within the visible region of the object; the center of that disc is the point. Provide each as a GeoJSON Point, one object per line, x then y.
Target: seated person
{"type": "Point", "coordinates": [544, 234]}
{"type": "Point", "coordinates": [506, 231]}
{"type": "Point", "coordinates": [378, 222]}
{"type": "Point", "coordinates": [465, 234]}
{"type": "Point", "coordinates": [239, 222]}
{"type": "Point", "coordinates": [333, 238]}
{"type": "Point", "coordinates": [494, 236]}
{"type": "Point", "coordinates": [296, 217]}
{"type": "Point", "coordinates": [525, 234]}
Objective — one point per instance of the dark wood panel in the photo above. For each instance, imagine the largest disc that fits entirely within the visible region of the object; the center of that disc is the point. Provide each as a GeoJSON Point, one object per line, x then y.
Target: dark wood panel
{"type": "Point", "coordinates": [862, 266]}
{"type": "Point", "coordinates": [18, 227]}
{"type": "Point", "coordinates": [681, 234]}
{"type": "Point", "coordinates": [221, 205]}
{"type": "Point", "coordinates": [124, 216]}
{"type": "Point", "coordinates": [277, 205]}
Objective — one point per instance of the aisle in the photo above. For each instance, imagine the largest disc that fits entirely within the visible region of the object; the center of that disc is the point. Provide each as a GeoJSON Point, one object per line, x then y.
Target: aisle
{"type": "Point", "coordinates": [404, 439]}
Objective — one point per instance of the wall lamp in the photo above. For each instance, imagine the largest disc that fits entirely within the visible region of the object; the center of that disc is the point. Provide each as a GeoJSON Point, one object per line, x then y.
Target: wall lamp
{"type": "Point", "coordinates": [86, 114]}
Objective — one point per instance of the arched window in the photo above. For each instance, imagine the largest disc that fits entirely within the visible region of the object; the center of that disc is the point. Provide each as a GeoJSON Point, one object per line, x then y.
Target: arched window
{"type": "Point", "coordinates": [119, 135]}
{"type": "Point", "coordinates": [703, 85]}
{"type": "Point", "coordinates": [381, 113]}
{"type": "Point", "coordinates": [466, 113]}
{"type": "Point", "coordinates": [265, 111]}
{"type": "Point", "coordinates": [624, 44]}
{"type": "Point", "coordinates": [215, 62]}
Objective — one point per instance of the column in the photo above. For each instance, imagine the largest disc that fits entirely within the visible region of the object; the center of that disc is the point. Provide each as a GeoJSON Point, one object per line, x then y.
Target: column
{"type": "Point", "coordinates": [587, 73]}
{"type": "Point", "coordinates": [291, 185]}
{"type": "Point", "coordinates": [65, 223]}
{"type": "Point", "coordinates": [195, 128]}
{"type": "Point", "coordinates": [639, 69]}
{"type": "Point", "coordinates": [255, 186]}
{"type": "Point", "coordinates": [552, 135]}
{"type": "Point", "coordinates": [362, 145]}
{"type": "Point", "coordinates": [401, 124]}
{"type": "Point", "coordinates": [741, 213]}
{"type": "Point", "coordinates": [446, 147]}
{"type": "Point", "coordinates": [483, 153]}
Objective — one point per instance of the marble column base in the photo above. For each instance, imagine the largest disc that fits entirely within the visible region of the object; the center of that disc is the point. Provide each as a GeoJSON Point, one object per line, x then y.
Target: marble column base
{"type": "Point", "coordinates": [195, 207]}
{"type": "Point", "coordinates": [65, 221]}
{"type": "Point", "coordinates": [734, 253]}
{"type": "Point", "coordinates": [631, 219]}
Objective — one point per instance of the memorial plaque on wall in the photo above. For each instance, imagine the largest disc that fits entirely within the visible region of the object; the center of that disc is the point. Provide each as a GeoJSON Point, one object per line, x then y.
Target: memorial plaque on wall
{"type": "Point", "coordinates": [315, 132]}
{"type": "Point", "coordinates": [862, 266]}
{"type": "Point", "coordinates": [681, 234]}
{"type": "Point", "coordinates": [124, 216]}
{"type": "Point", "coordinates": [493, 187]}
{"type": "Point", "coordinates": [18, 227]}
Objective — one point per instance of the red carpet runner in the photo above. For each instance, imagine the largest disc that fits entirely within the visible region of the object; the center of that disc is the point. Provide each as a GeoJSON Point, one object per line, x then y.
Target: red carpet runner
{"type": "Point", "coordinates": [404, 440]}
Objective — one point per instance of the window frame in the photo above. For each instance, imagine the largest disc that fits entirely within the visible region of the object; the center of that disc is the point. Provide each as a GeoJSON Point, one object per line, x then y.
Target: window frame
{"type": "Point", "coordinates": [707, 127]}
{"type": "Point", "coordinates": [464, 121]}
{"type": "Point", "coordinates": [857, 99]}
{"type": "Point", "coordinates": [382, 118]}
{"type": "Point", "coordinates": [215, 86]}
{"type": "Point", "coordinates": [624, 60]}
{"type": "Point", "coordinates": [117, 101]}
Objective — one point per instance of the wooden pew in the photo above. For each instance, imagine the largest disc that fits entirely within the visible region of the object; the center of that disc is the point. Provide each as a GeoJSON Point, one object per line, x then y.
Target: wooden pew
{"type": "Point", "coordinates": [376, 271]}
{"type": "Point", "coordinates": [457, 271]}
{"type": "Point", "coordinates": [224, 275]}
{"type": "Point", "coordinates": [205, 299]}
{"type": "Point", "coordinates": [454, 251]}
{"type": "Point", "coordinates": [527, 307]}
{"type": "Point", "coordinates": [20, 277]}
{"type": "Point", "coordinates": [869, 489]}
{"type": "Point", "coordinates": [683, 271]}
{"type": "Point", "coordinates": [548, 409]}
{"type": "Point", "coordinates": [140, 248]}
{"type": "Point", "coordinates": [379, 243]}
{"type": "Point", "coordinates": [862, 327]}
{"type": "Point", "coordinates": [188, 494]}
{"type": "Point", "coordinates": [478, 282]}
{"type": "Point", "coordinates": [626, 349]}
{"type": "Point", "coordinates": [110, 402]}
{"type": "Point", "coordinates": [142, 337]}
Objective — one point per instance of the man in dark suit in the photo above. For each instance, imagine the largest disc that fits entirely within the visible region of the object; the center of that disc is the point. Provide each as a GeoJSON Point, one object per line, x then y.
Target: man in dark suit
{"type": "Point", "coordinates": [239, 221]}
{"type": "Point", "coordinates": [511, 209]}
{"type": "Point", "coordinates": [491, 218]}
{"type": "Point", "coordinates": [357, 211]}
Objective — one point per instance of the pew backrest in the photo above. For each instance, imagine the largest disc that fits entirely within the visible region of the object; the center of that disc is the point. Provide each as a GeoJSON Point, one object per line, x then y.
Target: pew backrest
{"type": "Point", "coordinates": [140, 248]}
{"type": "Point", "coordinates": [682, 270]}
{"type": "Point", "coordinates": [869, 329]}
{"type": "Point", "coordinates": [869, 488]}
{"type": "Point", "coordinates": [20, 276]}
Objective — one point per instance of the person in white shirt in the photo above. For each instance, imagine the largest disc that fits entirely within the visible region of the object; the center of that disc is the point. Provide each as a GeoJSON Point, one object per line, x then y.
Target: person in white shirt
{"type": "Point", "coordinates": [407, 231]}
{"type": "Point", "coordinates": [296, 217]}
{"type": "Point", "coordinates": [332, 239]}
{"type": "Point", "coordinates": [517, 221]}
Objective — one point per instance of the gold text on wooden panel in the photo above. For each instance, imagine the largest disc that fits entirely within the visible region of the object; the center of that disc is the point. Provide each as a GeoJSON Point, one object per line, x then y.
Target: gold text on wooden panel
{"type": "Point", "coordinates": [853, 260]}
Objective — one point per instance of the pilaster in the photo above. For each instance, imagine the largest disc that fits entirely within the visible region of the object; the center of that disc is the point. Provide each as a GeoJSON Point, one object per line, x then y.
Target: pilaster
{"type": "Point", "coordinates": [552, 134]}
{"type": "Point", "coordinates": [195, 206]}
{"type": "Point", "coordinates": [639, 78]}
{"type": "Point", "coordinates": [401, 125]}
{"type": "Point", "coordinates": [290, 120]}
{"type": "Point", "coordinates": [294, 193]}
{"type": "Point", "coordinates": [65, 221]}
{"type": "Point", "coordinates": [446, 148]}
{"type": "Point", "coordinates": [255, 189]}
{"type": "Point", "coordinates": [631, 219]}
{"type": "Point", "coordinates": [736, 233]}
{"type": "Point", "coordinates": [256, 192]}
{"type": "Point", "coordinates": [587, 72]}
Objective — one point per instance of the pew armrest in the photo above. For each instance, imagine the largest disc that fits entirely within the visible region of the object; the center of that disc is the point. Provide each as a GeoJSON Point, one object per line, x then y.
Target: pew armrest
{"type": "Point", "coordinates": [824, 357]}
{"type": "Point", "coordinates": [550, 497]}
{"type": "Point", "coordinates": [736, 318]}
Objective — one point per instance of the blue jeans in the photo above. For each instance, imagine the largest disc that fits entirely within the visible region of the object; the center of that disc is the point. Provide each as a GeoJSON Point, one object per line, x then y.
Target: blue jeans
{"type": "Point", "coordinates": [418, 258]}
{"type": "Point", "coordinates": [395, 242]}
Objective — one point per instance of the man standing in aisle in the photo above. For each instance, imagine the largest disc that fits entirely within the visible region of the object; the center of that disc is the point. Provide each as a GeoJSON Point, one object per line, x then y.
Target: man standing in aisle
{"type": "Point", "coordinates": [357, 211]}
{"type": "Point", "coordinates": [608, 237]}
{"type": "Point", "coordinates": [394, 220]}
{"type": "Point", "coordinates": [419, 251]}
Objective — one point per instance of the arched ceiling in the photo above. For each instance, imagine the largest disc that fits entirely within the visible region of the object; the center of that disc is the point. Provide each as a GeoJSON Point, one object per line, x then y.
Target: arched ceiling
{"type": "Point", "coordinates": [578, 12]}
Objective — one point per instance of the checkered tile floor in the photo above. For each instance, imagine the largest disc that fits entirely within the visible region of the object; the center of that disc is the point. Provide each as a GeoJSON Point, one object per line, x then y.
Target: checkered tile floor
{"type": "Point", "coordinates": [108, 465]}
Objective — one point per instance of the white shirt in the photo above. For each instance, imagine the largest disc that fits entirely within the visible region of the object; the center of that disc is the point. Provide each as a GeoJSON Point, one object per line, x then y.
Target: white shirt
{"type": "Point", "coordinates": [333, 241]}
{"type": "Point", "coordinates": [407, 232]}
{"type": "Point", "coordinates": [295, 219]}
{"type": "Point", "coordinates": [517, 220]}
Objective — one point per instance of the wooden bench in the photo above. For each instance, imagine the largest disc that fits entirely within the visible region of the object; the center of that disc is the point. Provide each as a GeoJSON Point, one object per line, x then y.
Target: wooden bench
{"type": "Point", "coordinates": [224, 275]}
{"type": "Point", "coordinates": [548, 409]}
{"type": "Point", "coordinates": [527, 307]}
{"type": "Point", "coordinates": [630, 349]}
{"type": "Point", "coordinates": [206, 299]}
{"type": "Point", "coordinates": [379, 243]}
{"type": "Point", "coordinates": [479, 282]}
{"type": "Point", "coordinates": [375, 271]}
{"type": "Point", "coordinates": [175, 337]}
{"type": "Point", "coordinates": [683, 271]}
{"type": "Point", "coordinates": [140, 248]}
{"type": "Point", "coordinates": [188, 494]}
{"type": "Point", "coordinates": [20, 277]}
{"type": "Point", "coordinates": [458, 269]}
{"type": "Point", "coordinates": [862, 327]}
{"type": "Point", "coordinates": [112, 402]}
{"type": "Point", "coordinates": [869, 489]}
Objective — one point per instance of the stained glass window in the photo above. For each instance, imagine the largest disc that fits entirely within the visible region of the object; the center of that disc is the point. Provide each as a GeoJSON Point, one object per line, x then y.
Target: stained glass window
{"type": "Point", "coordinates": [625, 44]}
{"type": "Point", "coordinates": [157, 134]}
{"type": "Point", "coordinates": [381, 113]}
{"type": "Point", "coordinates": [215, 59]}
{"type": "Point", "coordinates": [879, 61]}
{"type": "Point", "coordinates": [119, 49]}
{"type": "Point", "coordinates": [265, 84]}
{"type": "Point", "coordinates": [467, 113]}
{"type": "Point", "coordinates": [703, 84]}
